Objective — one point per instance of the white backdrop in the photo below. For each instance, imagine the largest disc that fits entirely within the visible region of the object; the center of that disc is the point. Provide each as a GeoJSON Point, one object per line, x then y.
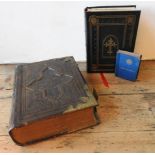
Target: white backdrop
{"type": "Point", "coordinates": [33, 31]}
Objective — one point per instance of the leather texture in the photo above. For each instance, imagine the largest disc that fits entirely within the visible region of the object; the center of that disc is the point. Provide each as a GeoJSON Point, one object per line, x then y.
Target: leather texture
{"type": "Point", "coordinates": [48, 88]}
{"type": "Point", "coordinates": [106, 33]}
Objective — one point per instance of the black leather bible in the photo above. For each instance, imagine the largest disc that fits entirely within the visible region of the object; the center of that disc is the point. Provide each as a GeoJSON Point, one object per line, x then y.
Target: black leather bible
{"type": "Point", "coordinates": [109, 28]}
{"type": "Point", "coordinates": [50, 98]}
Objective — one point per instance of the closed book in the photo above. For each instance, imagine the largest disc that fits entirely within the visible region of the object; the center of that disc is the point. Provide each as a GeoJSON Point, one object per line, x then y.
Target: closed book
{"type": "Point", "coordinates": [109, 28]}
{"type": "Point", "coordinates": [50, 98]}
{"type": "Point", "coordinates": [127, 65]}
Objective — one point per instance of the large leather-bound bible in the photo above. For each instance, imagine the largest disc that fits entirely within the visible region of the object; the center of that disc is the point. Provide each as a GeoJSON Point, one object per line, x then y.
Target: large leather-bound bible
{"type": "Point", "coordinates": [50, 98]}
{"type": "Point", "coordinates": [108, 29]}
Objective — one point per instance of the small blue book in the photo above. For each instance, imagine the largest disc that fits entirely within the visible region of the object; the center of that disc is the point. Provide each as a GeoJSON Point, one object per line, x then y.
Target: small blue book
{"type": "Point", "coordinates": [127, 65]}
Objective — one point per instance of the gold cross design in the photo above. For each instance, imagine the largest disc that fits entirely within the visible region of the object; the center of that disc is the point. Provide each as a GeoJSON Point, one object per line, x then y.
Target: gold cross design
{"type": "Point", "coordinates": [110, 43]}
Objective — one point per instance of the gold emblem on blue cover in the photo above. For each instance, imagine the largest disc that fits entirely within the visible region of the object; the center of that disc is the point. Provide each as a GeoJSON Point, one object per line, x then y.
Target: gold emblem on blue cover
{"type": "Point", "coordinates": [129, 61]}
{"type": "Point", "coordinates": [110, 44]}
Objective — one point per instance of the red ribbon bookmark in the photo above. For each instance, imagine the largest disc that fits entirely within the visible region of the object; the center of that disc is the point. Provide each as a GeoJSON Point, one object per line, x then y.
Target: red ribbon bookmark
{"type": "Point", "coordinates": [104, 80]}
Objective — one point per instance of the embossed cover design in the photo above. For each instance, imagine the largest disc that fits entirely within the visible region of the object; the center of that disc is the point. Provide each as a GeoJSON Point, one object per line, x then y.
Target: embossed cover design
{"type": "Point", "coordinates": [48, 88]}
{"type": "Point", "coordinates": [106, 33]}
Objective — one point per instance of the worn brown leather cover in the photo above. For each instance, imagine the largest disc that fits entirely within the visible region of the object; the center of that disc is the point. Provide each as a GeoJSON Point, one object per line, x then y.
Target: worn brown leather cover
{"type": "Point", "coordinates": [48, 88]}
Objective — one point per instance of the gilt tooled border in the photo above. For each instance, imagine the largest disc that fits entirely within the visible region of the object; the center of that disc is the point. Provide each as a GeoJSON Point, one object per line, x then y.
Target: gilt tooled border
{"type": "Point", "coordinates": [102, 24]}
{"type": "Point", "coordinates": [25, 115]}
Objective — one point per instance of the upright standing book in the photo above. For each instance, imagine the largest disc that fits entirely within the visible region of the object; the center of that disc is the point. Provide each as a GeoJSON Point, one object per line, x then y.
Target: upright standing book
{"type": "Point", "coordinates": [50, 98]}
{"type": "Point", "coordinates": [127, 65]}
{"type": "Point", "coordinates": [108, 29]}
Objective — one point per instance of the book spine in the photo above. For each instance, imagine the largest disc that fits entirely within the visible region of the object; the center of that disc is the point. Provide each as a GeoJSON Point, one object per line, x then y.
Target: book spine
{"type": "Point", "coordinates": [96, 115]}
{"type": "Point", "coordinates": [139, 66]}
{"type": "Point", "coordinates": [117, 64]}
{"type": "Point", "coordinates": [86, 40]}
{"type": "Point", "coordinates": [138, 13]}
{"type": "Point", "coordinates": [15, 98]}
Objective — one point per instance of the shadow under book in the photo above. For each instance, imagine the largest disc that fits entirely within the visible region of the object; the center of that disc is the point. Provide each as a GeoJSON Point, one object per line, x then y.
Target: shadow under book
{"type": "Point", "coordinates": [50, 98]}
